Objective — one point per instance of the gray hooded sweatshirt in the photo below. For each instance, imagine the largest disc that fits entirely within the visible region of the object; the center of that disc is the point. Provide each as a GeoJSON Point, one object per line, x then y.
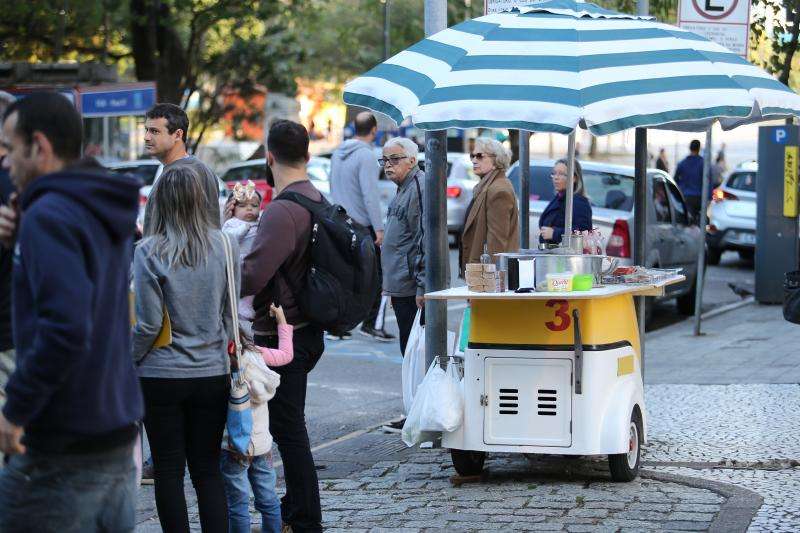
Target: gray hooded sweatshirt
{"type": "Point", "coordinates": [354, 182]}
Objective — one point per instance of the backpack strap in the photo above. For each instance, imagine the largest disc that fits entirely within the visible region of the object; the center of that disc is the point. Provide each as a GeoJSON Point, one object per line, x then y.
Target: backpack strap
{"type": "Point", "coordinates": [304, 201]}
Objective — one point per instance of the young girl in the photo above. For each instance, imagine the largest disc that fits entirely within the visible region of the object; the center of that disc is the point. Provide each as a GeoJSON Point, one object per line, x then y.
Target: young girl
{"type": "Point", "coordinates": [243, 208]}
{"type": "Point", "coordinates": [256, 471]}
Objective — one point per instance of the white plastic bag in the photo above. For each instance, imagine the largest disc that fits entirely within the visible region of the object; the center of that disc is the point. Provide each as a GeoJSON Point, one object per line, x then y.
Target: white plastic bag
{"type": "Point", "coordinates": [413, 362]}
{"type": "Point", "coordinates": [438, 404]}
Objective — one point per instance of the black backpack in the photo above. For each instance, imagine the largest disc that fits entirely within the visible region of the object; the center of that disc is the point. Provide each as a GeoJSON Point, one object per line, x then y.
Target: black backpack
{"type": "Point", "coordinates": [342, 281]}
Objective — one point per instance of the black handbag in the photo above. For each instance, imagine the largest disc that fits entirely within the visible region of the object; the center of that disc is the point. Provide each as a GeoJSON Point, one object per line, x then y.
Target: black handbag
{"type": "Point", "coordinates": [791, 297]}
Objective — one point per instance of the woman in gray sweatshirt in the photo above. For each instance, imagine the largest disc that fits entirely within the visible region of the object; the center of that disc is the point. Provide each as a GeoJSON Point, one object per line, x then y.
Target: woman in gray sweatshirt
{"type": "Point", "coordinates": [180, 267]}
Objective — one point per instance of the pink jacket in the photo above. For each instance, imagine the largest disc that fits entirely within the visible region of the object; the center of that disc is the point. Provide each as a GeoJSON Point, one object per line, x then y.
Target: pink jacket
{"type": "Point", "coordinates": [284, 353]}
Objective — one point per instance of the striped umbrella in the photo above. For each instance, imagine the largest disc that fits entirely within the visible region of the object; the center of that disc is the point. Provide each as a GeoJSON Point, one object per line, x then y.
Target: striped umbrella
{"type": "Point", "coordinates": [558, 64]}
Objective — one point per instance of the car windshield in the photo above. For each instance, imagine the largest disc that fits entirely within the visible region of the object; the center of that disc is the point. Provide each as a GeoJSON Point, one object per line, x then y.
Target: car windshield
{"type": "Point", "coordinates": [146, 173]}
{"type": "Point", "coordinates": [250, 172]}
{"type": "Point", "coordinates": [604, 189]}
{"type": "Point", "coordinates": [743, 181]}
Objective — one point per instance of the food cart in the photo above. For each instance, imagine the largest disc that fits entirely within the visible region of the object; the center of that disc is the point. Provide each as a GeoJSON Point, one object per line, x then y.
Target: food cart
{"type": "Point", "coordinates": [553, 373]}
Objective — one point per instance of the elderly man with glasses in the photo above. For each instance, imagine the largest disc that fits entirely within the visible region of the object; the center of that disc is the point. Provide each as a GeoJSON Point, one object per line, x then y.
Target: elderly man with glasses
{"type": "Point", "coordinates": [402, 255]}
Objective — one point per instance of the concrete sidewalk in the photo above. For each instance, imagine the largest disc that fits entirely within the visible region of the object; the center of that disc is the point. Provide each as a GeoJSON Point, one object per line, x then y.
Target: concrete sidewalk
{"type": "Point", "coordinates": [752, 344]}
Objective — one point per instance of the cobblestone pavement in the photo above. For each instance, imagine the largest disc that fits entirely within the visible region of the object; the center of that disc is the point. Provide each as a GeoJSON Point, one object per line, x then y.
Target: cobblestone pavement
{"type": "Point", "coordinates": [744, 435]}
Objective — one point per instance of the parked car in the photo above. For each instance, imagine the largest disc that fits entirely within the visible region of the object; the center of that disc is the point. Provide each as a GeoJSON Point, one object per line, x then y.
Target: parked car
{"type": "Point", "coordinates": [673, 237]}
{"type": "Point", "coordinates": [732, 214]}
{"type": "Point", "coordinates": [149, 170]}
{"type": "Point", "coordinates": [256, 170]}
{"type": "Point", "coordinates": [461, 180]}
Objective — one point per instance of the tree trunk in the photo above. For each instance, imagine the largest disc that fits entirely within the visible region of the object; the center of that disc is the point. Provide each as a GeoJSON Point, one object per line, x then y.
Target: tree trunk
{"type": "Point", "coordinates": [787, 64]}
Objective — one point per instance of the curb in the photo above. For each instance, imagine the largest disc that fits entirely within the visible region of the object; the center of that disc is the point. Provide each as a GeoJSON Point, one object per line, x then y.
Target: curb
{"type": "Point", "coordinates": [736, 512]}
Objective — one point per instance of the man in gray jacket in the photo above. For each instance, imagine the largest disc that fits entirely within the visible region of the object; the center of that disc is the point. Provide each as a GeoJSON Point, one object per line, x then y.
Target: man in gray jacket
{"type": "Point", "coordinates": [354, 186]}
{"type": "Point", "coordinates": [402, 255]}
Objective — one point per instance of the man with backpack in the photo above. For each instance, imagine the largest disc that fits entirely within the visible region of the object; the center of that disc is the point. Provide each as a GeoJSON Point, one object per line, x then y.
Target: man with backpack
{"type": "Point", "coordinates": [274, 272]}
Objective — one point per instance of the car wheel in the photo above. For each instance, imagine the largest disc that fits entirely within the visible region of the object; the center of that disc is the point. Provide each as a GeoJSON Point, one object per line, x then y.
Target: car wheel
{"type": "Point", "coordinates": [747, 255]}
{"type": "Point", "coordinates": [686, 301]}
{"type": "Point", "coordinates": [467, 462]}
{"type": "Point", "coordinates": [713, 255]}
{"type": "Point", "coordinates": [625, 466]}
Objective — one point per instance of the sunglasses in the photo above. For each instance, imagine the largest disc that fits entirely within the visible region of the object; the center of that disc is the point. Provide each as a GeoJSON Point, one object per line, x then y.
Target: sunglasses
{"type": "Point", "coordinates": [479, 155]}
{"type": "Point", "coordinates": [391, 160]}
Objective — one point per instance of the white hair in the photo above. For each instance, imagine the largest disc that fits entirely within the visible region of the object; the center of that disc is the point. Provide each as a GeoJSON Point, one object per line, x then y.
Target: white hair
{"type": "Point", "coordinates": [6, 99]}
{"type": "Point", "coordinates": [502, 157]}
{"type": "Point", "coordinates": [409, 147]}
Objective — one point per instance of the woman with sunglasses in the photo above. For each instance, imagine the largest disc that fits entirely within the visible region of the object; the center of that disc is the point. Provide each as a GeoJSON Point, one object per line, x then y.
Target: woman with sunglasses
{"type": "Point", "coordinates": [492, 216]}
{"type": "Point", "coordinates": [551, 223]}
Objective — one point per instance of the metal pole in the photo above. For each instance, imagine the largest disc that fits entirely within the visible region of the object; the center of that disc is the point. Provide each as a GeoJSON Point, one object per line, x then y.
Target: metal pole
{"type": "Point", "coordinates": [701, 257]}
{"type": "Point", "coordinates": [566, 238]}
{"type": "Point", "coordinates": [106, 138]}
{"type": "Point", "coordinates": [436, 251]}
{"type": "Point", "coordinates": [386, 26]}
{"type": "Point", "coordinates": [642, 8]}
{"type": "Point", "coordinates": [524, 188]}
{"type": "Point", "coordinates": [640, 226]}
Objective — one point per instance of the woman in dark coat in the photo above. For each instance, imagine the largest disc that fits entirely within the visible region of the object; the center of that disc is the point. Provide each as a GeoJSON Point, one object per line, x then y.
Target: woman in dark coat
{"type": "Point", "coordinates": [551, 223]}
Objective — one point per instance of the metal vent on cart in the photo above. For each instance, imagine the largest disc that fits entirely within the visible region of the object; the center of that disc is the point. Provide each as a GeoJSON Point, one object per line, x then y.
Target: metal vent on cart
{"type": "Point", "coordinates": [547, 400]}
{"type": "Point", "coordinates": [508, 401]}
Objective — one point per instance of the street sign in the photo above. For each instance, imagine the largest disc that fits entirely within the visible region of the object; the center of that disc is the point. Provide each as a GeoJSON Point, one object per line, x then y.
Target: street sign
{"type": "Point", "coordinates": [117, 102]}
{"type": "Point", "coordinates": [498, 6]}
{"type": "Point", "coordinates": [790, 169]}
{"type": "Point", "coordinates": [726, 22]}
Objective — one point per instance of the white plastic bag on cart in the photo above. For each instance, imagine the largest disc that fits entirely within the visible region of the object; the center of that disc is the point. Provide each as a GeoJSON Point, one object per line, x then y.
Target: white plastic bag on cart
{"type": "Point", "coordinates": [413, 362]}
{"type": "Point", "coordinates": [438, 404]}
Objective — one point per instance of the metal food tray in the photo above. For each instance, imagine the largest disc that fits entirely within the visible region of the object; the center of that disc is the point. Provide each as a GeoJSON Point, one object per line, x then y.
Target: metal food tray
{"type": "Point", "coordinates": [647, 276]}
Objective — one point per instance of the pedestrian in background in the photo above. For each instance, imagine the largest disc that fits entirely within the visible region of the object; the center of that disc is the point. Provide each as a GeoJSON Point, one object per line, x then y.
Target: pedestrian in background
{"type": "Point", "coordinates": [275, 269]}
{"type": "Point", "coordinates": [354, 186]}
{"type": "Point", "coordinates": [689, 177]}
{"type": "Point", "coordinates": [166, 128]}
{"type": "Point", "coordinates": [661, 161]}
{"type": "Point", "coordinates": [402, 256]}
{"type": "Point", "coordinates": [180, 279]}
{"type": "Point", "coordinates": [73, 402]}
{"type": "Point", "coordinates": [552, 219]}
{"type": "Point", "coordinates": [718, 169]}
{"type": "Point", "coordinates": [6, 337]}
{"type": "Point", "coordinates": [492, 218]}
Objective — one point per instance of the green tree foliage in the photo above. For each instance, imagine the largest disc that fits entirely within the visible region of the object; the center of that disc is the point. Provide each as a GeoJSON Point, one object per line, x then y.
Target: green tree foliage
{"type": "Point", "coordinates": [192, 49]}
{"type": "Point", "coordinates": [775, 52]}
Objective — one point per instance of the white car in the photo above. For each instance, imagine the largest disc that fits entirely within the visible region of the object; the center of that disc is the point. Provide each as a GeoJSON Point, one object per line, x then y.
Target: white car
{"type": "Point", "coordinates": [732, 214]}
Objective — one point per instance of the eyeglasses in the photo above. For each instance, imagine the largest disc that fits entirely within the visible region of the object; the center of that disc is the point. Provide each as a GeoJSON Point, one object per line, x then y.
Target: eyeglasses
{"type": "Point", "coordinates": [391, 160]}
{"type": "Point", "coordinates": [479, 155]}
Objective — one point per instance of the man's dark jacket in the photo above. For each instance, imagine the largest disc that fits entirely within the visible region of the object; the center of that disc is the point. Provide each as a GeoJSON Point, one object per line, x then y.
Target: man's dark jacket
{"type": "Point", "coordinates": [6, 343]}
{"type": "Point", "coordinates": [75, 387]}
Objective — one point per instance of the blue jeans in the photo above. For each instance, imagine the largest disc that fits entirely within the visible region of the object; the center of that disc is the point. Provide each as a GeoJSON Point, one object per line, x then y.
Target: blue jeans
{"type": "Point", "coordinates": [69, 493]}
{"type": "Point", "coordinates": [239, 477]}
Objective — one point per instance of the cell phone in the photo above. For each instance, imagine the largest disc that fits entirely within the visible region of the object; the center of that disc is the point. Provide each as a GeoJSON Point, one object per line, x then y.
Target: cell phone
{"type": "Point", "coordinates": [525, 290]}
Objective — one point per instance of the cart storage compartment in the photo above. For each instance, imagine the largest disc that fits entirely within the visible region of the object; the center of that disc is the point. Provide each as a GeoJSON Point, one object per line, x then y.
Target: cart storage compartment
{"type": "Point", "coordinates": [529, 401]}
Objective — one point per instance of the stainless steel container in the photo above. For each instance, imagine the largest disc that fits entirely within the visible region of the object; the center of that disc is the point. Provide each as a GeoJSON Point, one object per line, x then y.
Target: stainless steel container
{"type": "Point", "coordinates": [553, 262]}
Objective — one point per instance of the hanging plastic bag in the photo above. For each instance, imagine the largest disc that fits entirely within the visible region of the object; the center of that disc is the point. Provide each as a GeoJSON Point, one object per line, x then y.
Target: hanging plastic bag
{"type": "Point", "coordinates": [438, 404]}
{"type": "Point", "coordinates": [463, 332]}
{"type": "Point", "coordinates": [413, 362]}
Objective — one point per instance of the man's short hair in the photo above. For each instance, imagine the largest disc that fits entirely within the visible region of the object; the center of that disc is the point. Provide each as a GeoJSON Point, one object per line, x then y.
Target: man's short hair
{"type": "Point", "coordinates": [54, 116]}
{"type": "Point", "coordinates": [364, 123]}
{"type": "Point", "coordinates": [288, 142]}
{"type": "Point", "coordinates": [176, 118]}
{"type": "Point", "coordinates": [409, 147]}
{"type": "Point", "coordinates": [694, 146]}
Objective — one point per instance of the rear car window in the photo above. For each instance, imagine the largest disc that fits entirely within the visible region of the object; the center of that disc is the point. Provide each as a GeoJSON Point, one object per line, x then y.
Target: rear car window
{"type": "Point", "coordinates": [608, 190]}
{"type": "Point", "coordinates": [742, 181]}
{"type": "Point", "coordinates": [146, 173]}
{"type": "Point", "coordinates": [252, 172]}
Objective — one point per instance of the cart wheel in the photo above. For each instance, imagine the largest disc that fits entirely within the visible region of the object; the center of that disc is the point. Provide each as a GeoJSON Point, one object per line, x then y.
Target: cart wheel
{"type": "Point", "coordinates": [625, 466]}
{"type": "Point", "coordinates": [467, 462]}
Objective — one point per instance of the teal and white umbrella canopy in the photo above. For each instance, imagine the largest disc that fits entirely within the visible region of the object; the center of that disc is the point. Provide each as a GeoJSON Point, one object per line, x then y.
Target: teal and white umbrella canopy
{"type": "Point", "coordinates": [559, 64]}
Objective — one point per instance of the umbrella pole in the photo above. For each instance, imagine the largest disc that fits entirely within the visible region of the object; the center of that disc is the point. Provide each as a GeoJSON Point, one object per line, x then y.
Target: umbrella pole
{"type": "Point", "coordinates": [524, 189]}
{"type": "Point", "coordinates": [701, 257]}
{"type": "Point", "coordinates": [640, 227]}
{"type": "Point", "coordinates": [566, 239]}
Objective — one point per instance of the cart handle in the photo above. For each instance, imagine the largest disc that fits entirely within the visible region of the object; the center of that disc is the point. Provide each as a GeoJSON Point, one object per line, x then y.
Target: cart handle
{"type": "Point", "coordinates": [578, 352]}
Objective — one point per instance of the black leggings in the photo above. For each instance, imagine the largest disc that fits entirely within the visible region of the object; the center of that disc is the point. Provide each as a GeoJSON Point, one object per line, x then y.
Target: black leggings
{"type": "Point", "coordinates": [184, 419]}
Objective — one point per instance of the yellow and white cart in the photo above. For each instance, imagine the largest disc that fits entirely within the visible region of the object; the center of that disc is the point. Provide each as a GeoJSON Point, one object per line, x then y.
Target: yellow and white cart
{"type": "Point", "coordinates": [553, 373]}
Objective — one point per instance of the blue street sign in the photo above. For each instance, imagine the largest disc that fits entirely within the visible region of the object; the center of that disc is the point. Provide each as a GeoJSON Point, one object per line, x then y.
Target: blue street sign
{"type": "Point", "coordinates": [781, 136]}
{"type": "Point", "coordinates": [118, 102]}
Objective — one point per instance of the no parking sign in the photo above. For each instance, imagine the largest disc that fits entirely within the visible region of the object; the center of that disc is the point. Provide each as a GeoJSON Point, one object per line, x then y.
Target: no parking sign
{"type": "Point", "coordinates": [726, 22]}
